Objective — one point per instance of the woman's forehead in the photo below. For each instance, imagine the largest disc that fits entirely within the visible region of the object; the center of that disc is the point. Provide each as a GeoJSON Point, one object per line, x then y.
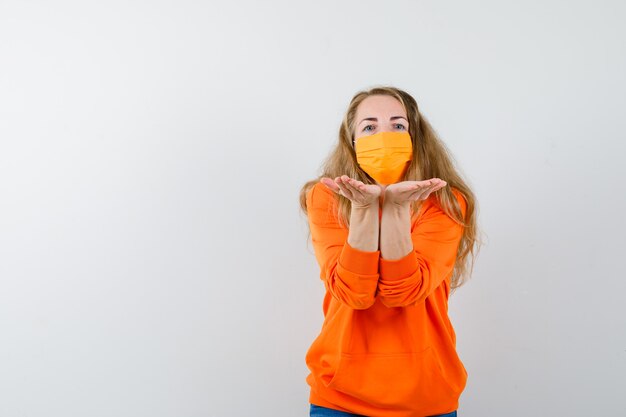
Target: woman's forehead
{"type": "Point", "coordinates": [380, 106]}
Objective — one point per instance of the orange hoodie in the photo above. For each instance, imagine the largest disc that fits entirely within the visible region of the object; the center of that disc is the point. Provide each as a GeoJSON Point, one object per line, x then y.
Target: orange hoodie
{"type": "Point", "coordinates": [387, 347]}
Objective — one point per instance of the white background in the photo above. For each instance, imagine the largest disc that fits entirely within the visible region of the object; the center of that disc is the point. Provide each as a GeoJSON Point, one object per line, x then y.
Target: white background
{"type": "Point", "coordinates": [153, 258]}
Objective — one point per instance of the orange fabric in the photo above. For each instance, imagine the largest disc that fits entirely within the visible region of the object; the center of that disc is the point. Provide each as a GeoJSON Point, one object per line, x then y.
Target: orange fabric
{"type": "Point", "coordinates": [385, 156]}
{"type": "Point", "coordinates": [386, 347]}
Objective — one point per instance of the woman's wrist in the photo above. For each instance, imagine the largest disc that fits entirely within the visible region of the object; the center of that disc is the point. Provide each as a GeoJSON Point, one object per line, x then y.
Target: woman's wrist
{"type": "Point", "coordinates": [398, 207]}
{"type": "Point", "coordinates": [395, 230]}
{"type": "Point", "coordinates": [364, 228]}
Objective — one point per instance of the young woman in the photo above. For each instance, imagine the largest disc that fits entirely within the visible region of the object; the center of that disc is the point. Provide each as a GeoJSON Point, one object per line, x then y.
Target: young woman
{"type": "Point", "coordinates": [392, 224]}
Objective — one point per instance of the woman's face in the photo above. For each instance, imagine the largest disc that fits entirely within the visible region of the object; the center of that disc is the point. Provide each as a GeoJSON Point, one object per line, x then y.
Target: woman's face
{"type": "Point", "coordinates": [380, 113]}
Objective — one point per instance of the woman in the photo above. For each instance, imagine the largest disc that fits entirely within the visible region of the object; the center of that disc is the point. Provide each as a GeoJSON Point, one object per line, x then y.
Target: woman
{"type": "Point", "coordinates": [392, 224]}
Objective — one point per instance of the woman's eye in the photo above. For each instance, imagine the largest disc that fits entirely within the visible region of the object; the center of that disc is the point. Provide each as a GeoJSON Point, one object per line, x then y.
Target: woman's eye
{"type": "Point", "coordinates": [369, 128]}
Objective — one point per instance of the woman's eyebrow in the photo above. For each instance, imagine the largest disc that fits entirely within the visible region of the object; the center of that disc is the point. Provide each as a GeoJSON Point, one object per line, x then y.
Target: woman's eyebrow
{"type": "Point", "coordinates": [374, 119]}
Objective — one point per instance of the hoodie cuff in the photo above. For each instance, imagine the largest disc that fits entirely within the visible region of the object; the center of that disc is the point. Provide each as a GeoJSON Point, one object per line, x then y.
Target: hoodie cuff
{"type": "Point", "coordinates": [395, 269]}
{"type": "Point", "coordinates": [358, 261]}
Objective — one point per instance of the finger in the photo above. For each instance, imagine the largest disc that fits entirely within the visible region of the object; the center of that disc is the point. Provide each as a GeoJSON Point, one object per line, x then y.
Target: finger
{"type": "Point", "coordinates": [438, 186]}
{"type": "Point", "coordinates": [345, 178]}
{"type": "Point", "coordinates": [422, 193]}
{"type": "Point", "coordinates": [345, 192]}
{"type": "Point", "coordinates": [428, 191]}
{"type": "Point", "coordinates": [418, 195]}
{"type": "Point", "coordinates": [423, 185]}
{"type": "Point", "coordinates": [431, 184]}
{"type": "Point", "coordinates": [350, 183]}
{"type": "Point", "coordinates": [416, 186]}
{"type": "Point", "coordinates": [343, 189]}
{"type": "Point", "coordinates": [330, 184]}
{"type": "Point", "coordinates": [355, 192]}
{"type": "Point", "coordinates": [356, 187]}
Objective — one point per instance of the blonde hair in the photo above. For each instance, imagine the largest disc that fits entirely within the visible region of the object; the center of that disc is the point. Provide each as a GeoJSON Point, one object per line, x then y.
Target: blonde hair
{"type": "Point", "coordinates": [431, 159]}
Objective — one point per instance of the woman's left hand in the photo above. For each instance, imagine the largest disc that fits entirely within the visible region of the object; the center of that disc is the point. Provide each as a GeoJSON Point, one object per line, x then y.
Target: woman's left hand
{"type": "Point", "coordinates": [404, 192]}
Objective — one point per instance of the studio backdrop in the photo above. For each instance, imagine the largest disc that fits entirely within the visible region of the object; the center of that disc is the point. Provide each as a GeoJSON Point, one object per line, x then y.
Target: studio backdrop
{"type": "Point", "coordinates": [153, 257]}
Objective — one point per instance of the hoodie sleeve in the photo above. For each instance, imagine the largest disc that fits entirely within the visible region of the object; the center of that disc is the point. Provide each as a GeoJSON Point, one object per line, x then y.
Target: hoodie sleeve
{"type": "Point", "coordinates": [349, 274]}
{"type": "Point", "coordinates": [409, 280]}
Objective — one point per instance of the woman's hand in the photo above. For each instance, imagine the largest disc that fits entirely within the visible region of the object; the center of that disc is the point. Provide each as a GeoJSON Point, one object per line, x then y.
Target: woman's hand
{"type": "Point", "coordinates": [404, 192]}
{"type": "Point", "coordinates": [359, 193]}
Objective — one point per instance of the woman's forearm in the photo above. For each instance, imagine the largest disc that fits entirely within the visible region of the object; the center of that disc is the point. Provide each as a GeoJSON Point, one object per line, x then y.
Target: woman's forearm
{"type": "Point", "coordinates": [364, 228]}
{"type": "Point", "coordinates": [395, 231]}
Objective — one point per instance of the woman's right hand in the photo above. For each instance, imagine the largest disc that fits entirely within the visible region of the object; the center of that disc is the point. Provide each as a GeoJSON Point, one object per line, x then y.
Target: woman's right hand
{"type": "Point", "coordinates": [359, 193]}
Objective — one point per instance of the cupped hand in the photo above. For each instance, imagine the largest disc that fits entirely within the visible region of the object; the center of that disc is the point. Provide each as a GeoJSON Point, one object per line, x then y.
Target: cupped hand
{"type": "Point", "coordinates": [359, 193]}
{"type": "Point", "coordinates": [406, 191]}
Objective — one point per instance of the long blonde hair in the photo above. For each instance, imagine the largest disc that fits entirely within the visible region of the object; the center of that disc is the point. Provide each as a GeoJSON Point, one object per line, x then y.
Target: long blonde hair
{"type": "Point", "coordinates": [431, 159]}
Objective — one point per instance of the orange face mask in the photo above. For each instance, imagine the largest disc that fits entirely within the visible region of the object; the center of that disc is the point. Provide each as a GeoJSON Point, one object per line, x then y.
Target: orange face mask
{"type": "Point", "coordinates": [385, 156]}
